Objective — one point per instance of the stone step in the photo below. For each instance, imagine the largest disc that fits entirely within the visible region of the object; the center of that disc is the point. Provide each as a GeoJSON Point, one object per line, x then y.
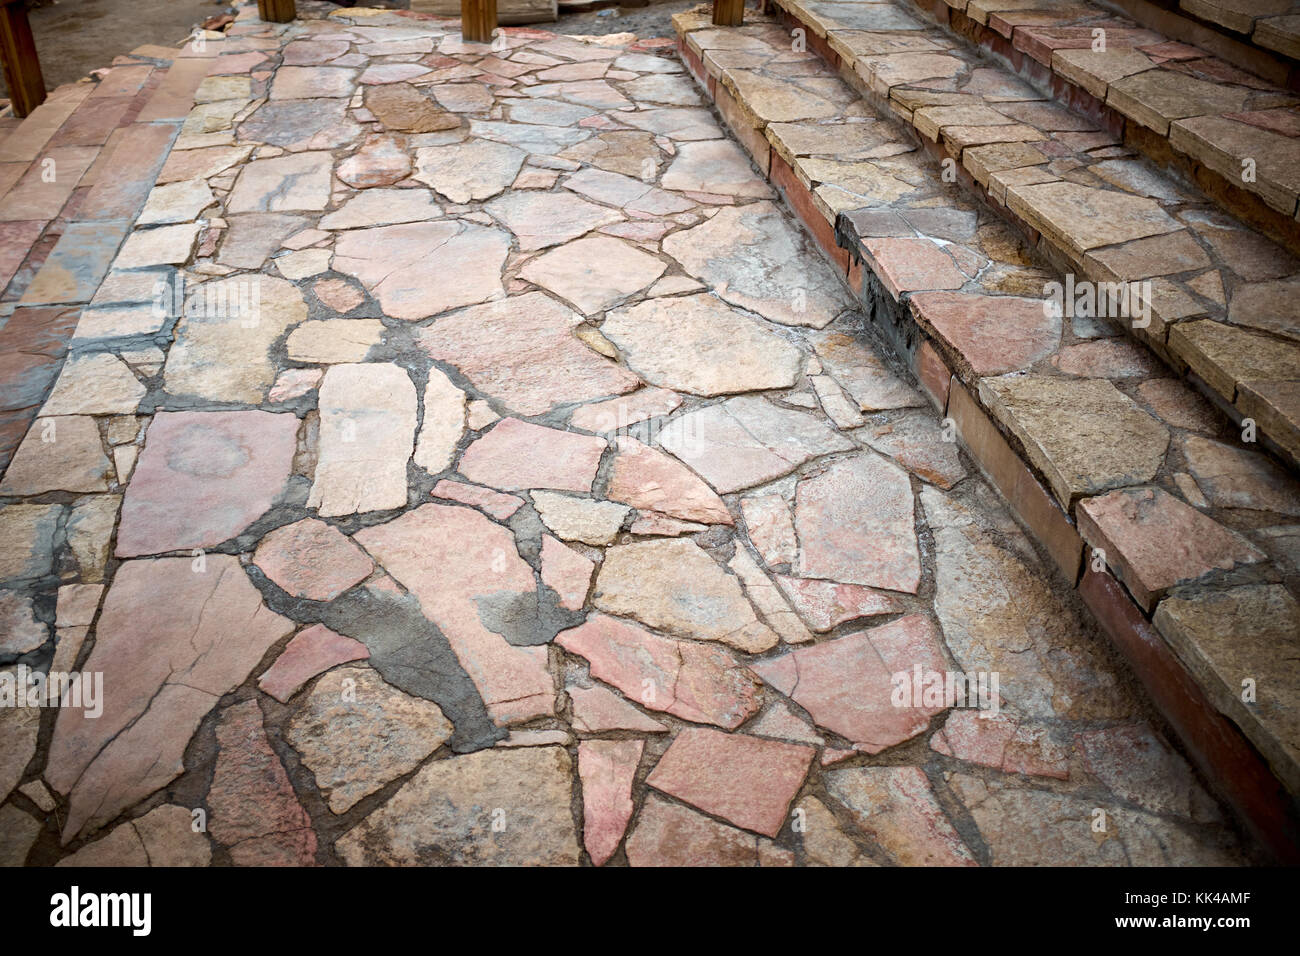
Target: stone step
{"type": "Point", "coordinates": [1230, 125]}
{"type": "Point", "coordinates": [1091, 206]}
{"type": "Point", "coordinates": [1175, 531]}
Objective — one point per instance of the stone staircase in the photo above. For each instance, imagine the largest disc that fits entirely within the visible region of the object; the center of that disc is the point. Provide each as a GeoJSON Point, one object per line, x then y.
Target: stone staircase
{"type": "Point", "coordinates": [1151, 453]}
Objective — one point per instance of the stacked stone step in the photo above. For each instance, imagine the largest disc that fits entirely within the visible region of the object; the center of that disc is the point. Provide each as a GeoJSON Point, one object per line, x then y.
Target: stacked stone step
{"type": "Point", "coordinates": [1149, 499]}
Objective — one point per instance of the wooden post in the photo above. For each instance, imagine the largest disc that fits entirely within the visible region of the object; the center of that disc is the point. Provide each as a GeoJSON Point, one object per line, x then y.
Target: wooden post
{"type": "Point", "coordinates": [18, 52]}
{"type": "Point", "coordinates": [728, 13]}
{"type": "Point", "coordinates": [276, 11]}
{"type": "Point", "coordinates": [478, 20]}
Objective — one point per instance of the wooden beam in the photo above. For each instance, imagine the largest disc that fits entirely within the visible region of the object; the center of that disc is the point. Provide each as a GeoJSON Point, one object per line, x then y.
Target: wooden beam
{"type": "Point", "coordinates": [276, 11]}
{"type": "Point", "coordinates": [18, 53]}
{"type": "Point", "coordinates": [728, 13]}
{"type": "Point", "coordinates": [478, 20]}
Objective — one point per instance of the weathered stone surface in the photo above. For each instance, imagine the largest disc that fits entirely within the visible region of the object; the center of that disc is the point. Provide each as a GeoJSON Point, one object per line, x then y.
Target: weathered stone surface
{"type": "Point", "coordinates": [472, 584]}
{"type": "Point", "coordinates": [539, 220]}
{"type": "Point", "coordinates": [580, 519]}
{"type": "Point", "coordinates": [695, 682]}
{"type": "Point", "coordinates": [846, 684]}
{"type": "Point", "coordinates": [607, 768]}
{"type": "Point", "coordinates": [674, 585]}
{"type": "Point", "coordinates": [646, 478]}
{"type": "Point", "coordinates": [1085, 435]}
{"type": "Point", "coordinates": [594, 273]}
{"type": "Point", "coordinates": [1083, 217]}
{"type": "Point", "coordinates": [400, 106]}
{"type": "Point", "coordinates": [255, 812]}
{"type": "Point", "coordinates": [1002, 741]}
{"type": "Point", "coordinates": [856, 525]}
{"type": "Point", "coordinates": [381, 161]}
{"type": "Point", "coordinates": [597, 709]}
{"type": "Point", "coordinates": [445, 814]}
{"type": "Point", "coordinates": [861, 372]}
{"type": "Point", "coordinates": [1153, 542]}
{"type": "Point", "coordinates": [204, 477]}
{"type": "Point", "coordinates": [917, 442]}
{"type": "Point", "coordinates": [311, 559]}
{"type": "Point", "coordinates": [1236, 478]}
{"type": "Point", "coordinates": [701, 345]}
{"type": "Point", "coordinates": [471, 171]}
{"type": "Point", "coordinates": [1000, 615]}
{"type": "Point", "coordinates": [756, 259]}
{"type": "Point", "coordinates": [827, 604]}
{"type": "Point", "coordinates": [824, 843]}
{"type": "Point", "coordinates": [896, 807]}
{"type": "Point", "coordinates": [58, 454]}
{"type": "Point", "coordinates": [176, 202]}
{"type": "Point", "coordinates": [356, 742]}
{"type": "Point", "coordinates": [714, 166]}
{"type": "Point", "coordinates": [763, 594]}
{"type": "Point", "coordinates": [747, 780]}
{"type": "Point", "coordinates": [223, 342]}
{"type": "Point", "coordinates": [522, 351]}
{"type": "Point", "coordinates": [162, 837]}
{"type": "Point", "coordinates": [312, 651]}
{"type": "Point", "coordinates": [616, 414]}
{"type": "Point", "coordinates": [517, 455]}
{"type": "Point", "coordinates": [747, 441]}
{"type": "Point", "coordinates": [310, 82]}
{"type": "Point", "coordinates": [291, 124]}
{"type": "Point", "coordinates": [375, 207]}
{"type": "Point", "coordinates": [993, 334]}
{"type": "Point", "coordinates": [443, 424]}
{"type": "Point", "coordinates": [334, 341]}
{"type": "Point", "coordinates": [392, 263]}
{"type": "Point", "coordinates": [667, 834]}
{"type": "Point", "coordinates": [20, 631]}
{"type": "Point", "coordinates": [566, 572]}
{"type": "Point", "coordinates": [94, 384]}
{"type": "Point", "coordinates": [20, 725]}
{"type": "Point", "coordinates": [494, 503]}
{"type": "Point", "coordinates": [1142, 769]}
{"type": "Point", "coordinates": [162, 674]}
{"type": "Point", "coordinates": [299, 182]}
{"type": "Point", "coordinates": [770, 527]}
{"type": "Point", "coordinates": [367, 431]}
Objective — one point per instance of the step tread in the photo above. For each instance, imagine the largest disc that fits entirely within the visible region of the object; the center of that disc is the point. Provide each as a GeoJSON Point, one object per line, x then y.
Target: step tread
{"type": "Point", "coordinates": [1117, 440]}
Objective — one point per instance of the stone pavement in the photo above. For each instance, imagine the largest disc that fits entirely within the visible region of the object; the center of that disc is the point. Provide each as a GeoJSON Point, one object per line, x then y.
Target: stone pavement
{"type": "Point", "coordinates": [505, 477]}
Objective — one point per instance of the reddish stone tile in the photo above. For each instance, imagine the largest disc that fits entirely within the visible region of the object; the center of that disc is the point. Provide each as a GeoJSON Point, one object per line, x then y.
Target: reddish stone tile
{"type": "Point", "coordinates": [495, 503]}
{"type": "Point", "coordinates": [1002, 741]}
{"type": "Point", "coordinates": [991, 334]}
{"type": "Point", "coordinates": [747, 780]}
{"type": "Point", "coordinates": [912, 265]}
{"type": "Point", "coordinates": [668, 834]}
{"type": "Point", "coordinates": [517, 455]}
{"type": "Point", "coordinates": [597, 709]}
{"type": "Point", "coordinates": [136, 160]}
{"type": "Point", "coordinates": [607, 769]}
{"type": "Point", "coordinates": [646, 478]}
{"type": "Point", "coordinates": [566, 572]}
{"type": "Point", "coordinates": [312, 651]}
{"type": "Point", "coordinates": [311, 559]}
{"type": "Point", "coordinates": [824, 605]}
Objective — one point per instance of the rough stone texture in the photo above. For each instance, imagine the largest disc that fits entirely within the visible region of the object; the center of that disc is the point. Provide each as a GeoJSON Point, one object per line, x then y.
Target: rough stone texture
{"type": "Point", "coordinates": [667, 834]}
{"type": "Point", "coordinates": [446, 813]}
{"type": "Point", "coordinates": [443, 424]}
{"type": "Point", "coordinates": [824, 605]}
{"type": "Point", "coordinates": [896, 807]}
{"type": "Point", "coordinates": [580, 519]}
{"type": "Point", "coordinates": [646, 478]}
{"type": "Point", "coordinates": [312, 651]}
{"type": "Point", "coordinates": [594, 273]}
{"type": "Point", "coordinates": [356, 733]}
{"type": "Point", "coordinates": [607, 768]}
{"type": "Point", "coordinates": [770, 527]}
{"type": "Point", "coordinates": [1004, 742]}
{"type": "Point", "coordinates": [567, 572]}
{"type": "Point", "coordinates": [1236, 478]}
{"type": "Point", "coordinates": [311, 559]}
{"type": "Point", "coordinates": [597, 709]}
{"type": "Point", "coordinates": [517, 455]}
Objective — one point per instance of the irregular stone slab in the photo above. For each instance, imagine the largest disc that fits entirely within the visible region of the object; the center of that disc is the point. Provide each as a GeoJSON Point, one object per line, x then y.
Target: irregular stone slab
{"type": "Point", "coordinates": [255, 813]}
{"type": "Point", "coordinates": [203, 478]}
{"type": "Point", "coordinates": [27, 533]}
{"type": "Point", "coordinates": [770, 527]}
{"type": "Point", "coordinates": [289, 124]}
{"type": "Point", "coordinates": [20, 631]}
{"type": "Point", "coordinates": [1108, 358]}
{"type": "Point", "coordinates": [756, 259]}
{"type": "Point", "coordinates": [992, 334]}
{"type": "Point", "coordinates": [522, 350]}
{"type": "Point", "coordinates": [472, 584]}
{"type": "Point", "coordinates": [392, 263]}
{"type": "Point", "coordinates": [19, 727]}
{"type": "Point", "coordinates": [539, 140]}
{"type": "Point", "coordinates": [494, 503]}
{"type": "Point", "coordinates": [781, 722]}
{"type": "Point", "coordinates": [1025, 827]}
{"type": "Point", "coordinates": [824, 605]}
{"type": "Point", "coordinates": [673, 585]}
{"type": "Point", "coordinates": [566, 572]}
{"type": "Point", "coordinates": [312, 651]}
{"type": "Point", "coordinates": [847, 684]}
{"type": "Point", "coordinates": [58, 454]}
{"type": "Point", "coordinates": [176, 202]}
{"type": "Point", "coordinates": [616, 414]}
{"type": "Point", "coordinates": [618, 151]}
{"type": "Point", "coordinates": [94, 384]}
{"type": "Point", "coordinates": [517, 456]}
{"type": "Point", "coordinates": [311, 559]}
{"type": "Point", "coordinates": [668, 834]}
{"type": "Point", "coordinates": [896, 807]}
{"type": "Point", "coordinates": [310, 82]}
{"type": "Point", "coordinates": [381, 161]}
{"type": "Point", "coordinates": [376, 207]}
{"type": "Point", "coordinates": [633, 194]}
{"type": "Point", "coordinates": [597, 709]}
{"type": "Point", "coordinates": [356, 733]}
{"type": "Point", "coordinates": [580, 519]}
{"type": "Point", "coordinates": [250, 239]}
{"type": "Point", "coordinates": [540, 219]}
{"type": "Point", "coordinates": [161, 245]}
{"type": "Point", "coordinates": [1153, 542]}
{"type": "Point", "coordinates": [1224, 636]}
{"type": "Point", "coordinates": [162, 837]}
{"type": "Point", "coordinates": [547, 112]}
{"type": "Point", "coordinates": [443, 425]}
{"type": "Point", "coordinates": [1140, 768]}
{"type": "Point", "coordinates": [1000, 615]}
{"type": "Point", "coordinates": [701, 345]}
{"type": "Point", "coordinates": [762, 593]}
{"type": "Point", "coordinates": [917, 443]}
{"type": "Point", "coordinates": [861, 373]}
{"type": "Point", "coordinates": [367, 432]}
{"type": "Point", "coordinates": [447, 814]}
{"type": "Point", "coordinates": [715, 166]}
{"type": "Point", "coordinates": [646, 478]}
{"type": "Point", "coordinates": [162, 674]}
{"type": "Point", "coordinates": [1083, 217]}
{"type": "Point", "coordinates": [334, 341]}
{"type": "Point", "coordinates": [696, 682]}
{"type": "Point", "coordinates": [747, 780]}
{"type": "Point", "coordinates": [224, 339]}
{"type": "Point", "coordinates": [593, 273]}
{"type": "Point", "coordinates": [1002, 741]}
{"type": "Point", "coordinates": [1236, 478]}
{"type": "Point", "coordinates": [402, 107]}
{"type": "Point", "coordinates": [90, 527]}
{"type": "Point", "coordinates": [471, 171]}
{"type": "Point", "coordinates": [824, 843]}
{"type": "Point", "coordinates": [607, 768]}
{"type": "Point", "coordinates": [747, 441]}
{"type": "Point", "coordinates": [295, 183]}
{"type": "Point", "coordinates": [1085, 435]}
{"type": "Point", "coordinates": [343, 296]}
{"type": "Point", "coordinates": [855, 521]}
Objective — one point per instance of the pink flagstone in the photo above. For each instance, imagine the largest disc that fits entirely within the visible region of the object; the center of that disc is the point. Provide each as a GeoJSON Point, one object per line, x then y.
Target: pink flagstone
{"type": "Point", "coordinates": [646, 478]}
{"type": "Point", "coordinates": [494, 503]}
{"type": "Point", "coordinates": [607, 768]}
{"type": "Point", "coordinates": [825, 604]}
{"type": "Point", "coordinates": [312, 651]}
{"type": "Point", "coordinates": [597, 709]}
{"type": "Point", "coordinates": [566, 572]}
{"type": "Point", "coordinates": [517, 455]}
{"type": "Point", "coordinates": [1002, 741]}
{"type": "Point", "coordinates": [770, 527]}
{"type": "Point", "coordinates": [311, 559]}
